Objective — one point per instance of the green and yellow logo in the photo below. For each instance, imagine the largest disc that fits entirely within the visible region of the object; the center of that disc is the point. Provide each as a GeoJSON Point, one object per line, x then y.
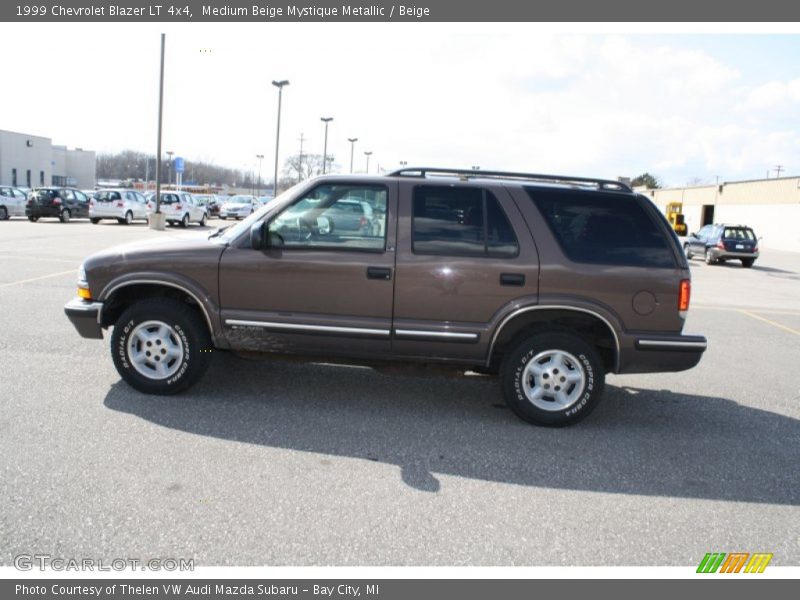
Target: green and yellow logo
{"type": "Point", "coordinates": [734, 562]}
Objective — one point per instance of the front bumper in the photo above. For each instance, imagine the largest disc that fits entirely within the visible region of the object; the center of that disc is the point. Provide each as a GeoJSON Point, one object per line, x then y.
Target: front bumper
{"type": "Point", "coordinates": [85, 316]}
{"type": "Point", "coordinates": [661, 353]}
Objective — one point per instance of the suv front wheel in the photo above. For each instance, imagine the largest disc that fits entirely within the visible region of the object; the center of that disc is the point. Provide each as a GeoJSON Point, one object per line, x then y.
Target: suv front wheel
{"type": "Point", "coordinates": [160, 346]}
{"type": "Point", "coordinates": [553, 379]}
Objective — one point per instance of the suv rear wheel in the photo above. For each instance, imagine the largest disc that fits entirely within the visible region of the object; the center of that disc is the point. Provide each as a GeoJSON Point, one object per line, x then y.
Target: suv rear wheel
{"type": "Point", "coordinates": [185, 221]}
{"type": "Point", "coordinates": [553, 379]}
{"type": "Point", "coordinates": [710, 260]}
{"type": "Point", "coordinates": [748, 262]}
{"type": "Point", "coordinates": [65, 215]}
{"type": "Point", "coordinates": [3, 213]}
{"type": "Point", "coordinates": [160, 346]}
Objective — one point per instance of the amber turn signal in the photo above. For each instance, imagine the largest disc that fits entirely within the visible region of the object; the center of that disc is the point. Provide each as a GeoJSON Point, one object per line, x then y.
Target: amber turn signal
{"type": "Point", "coordinates": [84, 293]}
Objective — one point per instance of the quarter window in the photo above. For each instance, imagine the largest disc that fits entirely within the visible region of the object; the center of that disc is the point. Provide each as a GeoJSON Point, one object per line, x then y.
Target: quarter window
{"type": "Point", "coordinates": [601, 228]}
{"type": "Point", "coordinates": [461, 221]}
{"type": "Point", "coordinates": [345, 217]}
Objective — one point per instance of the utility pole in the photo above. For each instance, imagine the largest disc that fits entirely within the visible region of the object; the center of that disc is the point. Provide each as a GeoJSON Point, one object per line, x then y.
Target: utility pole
{"type": "Point", "coordinates": [279, 85]}
{"type": "Point", "coordinates": [368, 154]}
{"type": "Point", "coordinates": [300, 159]}
{"type": "Point", "coordinates": [160, 119]}
{"type": "Point", "coordinates": [778, 169]}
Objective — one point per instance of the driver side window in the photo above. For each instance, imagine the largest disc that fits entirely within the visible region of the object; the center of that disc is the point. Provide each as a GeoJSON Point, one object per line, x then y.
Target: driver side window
{"type": "Point", "coordinates": [340, 216]}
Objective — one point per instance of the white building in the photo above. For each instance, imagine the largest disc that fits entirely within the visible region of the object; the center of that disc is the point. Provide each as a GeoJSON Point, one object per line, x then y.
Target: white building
{"type": "Point", "coordinates": [770, 206]}
{"type": "Point", "coordinates": [32, 161]}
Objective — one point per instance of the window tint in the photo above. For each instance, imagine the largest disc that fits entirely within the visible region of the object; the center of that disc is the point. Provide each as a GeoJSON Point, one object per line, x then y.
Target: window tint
{"type": "Point", "coordinates": [460, 221]}
{"type": "Point", "coordinates": [335, 217]}
{"type": "Point", "coordinates": [600, 228]}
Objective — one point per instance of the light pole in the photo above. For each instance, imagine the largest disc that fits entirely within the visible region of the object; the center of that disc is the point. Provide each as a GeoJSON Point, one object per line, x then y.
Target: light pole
{"type": "Point", "coordinates": [325, 120]}
{"type": "Point", "coordinates": [279, 85]}
{"type": "Point", "coordinates": [403, 163]}
{"type": "Point", "coordinates": [367, 154]}
{"type": "Point", "coordinates": [260, 157]}
{"type": "Point", "coordinates": [169, 166]}
{"type": "Point", "coordinates": [352, 147]}
{"type": "Point", "coordinates": [155, 223]}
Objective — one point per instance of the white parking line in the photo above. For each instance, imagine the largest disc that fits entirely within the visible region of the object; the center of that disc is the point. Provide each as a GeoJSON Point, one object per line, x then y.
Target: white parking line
{"type": "Point", "coordinates": [21, 281]}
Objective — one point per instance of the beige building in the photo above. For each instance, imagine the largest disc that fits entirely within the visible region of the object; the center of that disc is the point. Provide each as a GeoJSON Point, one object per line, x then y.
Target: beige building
{"type": "Point", "coordinates": [770, 206]}
{"type": "Point", "coordinates": [31, 161]}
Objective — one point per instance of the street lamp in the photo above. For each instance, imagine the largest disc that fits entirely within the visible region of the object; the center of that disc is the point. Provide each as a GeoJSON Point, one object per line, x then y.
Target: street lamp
{"type": "Point", "coordinates": [260, 157]}
{"type": "Point", "coordinates": [352, 147]}
{"type": "Point", "coordinates": [403, 163]}
{"type": "Point", "coordinates": [367, 154]}
{"type": "Point", "coordinates": [279, 85]}
{"type": "Point", "coordinates": [476, 168]}
{"type": "Point", "coordinates": [325, 120]}
{"type": "Point", "coordinates": [169, 166]}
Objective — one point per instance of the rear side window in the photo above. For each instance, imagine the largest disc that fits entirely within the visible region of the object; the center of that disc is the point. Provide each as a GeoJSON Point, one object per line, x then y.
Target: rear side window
{"type": "Point", "coordinates": [738, 233]}
{"type": "Point", "coordinates": [461, 221]}
{"type": "Point", "coordinates": [600, 228]}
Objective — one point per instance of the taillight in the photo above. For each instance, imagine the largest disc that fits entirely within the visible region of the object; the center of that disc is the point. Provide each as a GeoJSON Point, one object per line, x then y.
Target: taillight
{"type": "Point", "coordinates": [91, 202]}
{"type": "Point", "coordinates": [684, 292]}
{"type": "Point", "coordinates": [178, 207]}
{"type": "Point", "coordinates": [120, 205]}
{"type": "Point", "coordinates": [721, 245]}
{"type": "Point", "coordinates": [755, 248]}
{"type": "Point", "coordinates": [56, 200]}
{"type": "Point", "coordinates": [363, 221]}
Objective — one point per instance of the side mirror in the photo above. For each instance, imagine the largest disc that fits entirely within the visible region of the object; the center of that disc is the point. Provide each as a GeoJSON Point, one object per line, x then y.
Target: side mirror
{"type": "Point", "coordinates": [258, 237]}
{"type": "Point", "coordinates": [693, 234]}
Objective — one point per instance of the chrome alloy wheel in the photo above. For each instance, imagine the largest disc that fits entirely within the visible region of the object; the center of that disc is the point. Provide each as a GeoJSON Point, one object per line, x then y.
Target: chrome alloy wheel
{"type": "Point", "coordinates": [553, 380]}
{"type": "Point", "coordinates": [155, 350]}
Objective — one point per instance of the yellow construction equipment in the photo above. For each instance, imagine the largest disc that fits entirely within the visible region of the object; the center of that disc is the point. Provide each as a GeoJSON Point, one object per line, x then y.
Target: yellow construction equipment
{"type": "Point", "coordinates": [675, 217]}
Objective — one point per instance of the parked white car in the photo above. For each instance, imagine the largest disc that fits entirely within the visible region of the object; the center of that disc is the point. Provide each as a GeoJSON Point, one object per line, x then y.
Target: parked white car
{"type": "Point", "coordinates": [123, 205]}
{"type": "Point", "coordinates": [238, 207]}
{"type": "Point", "coordinates": [12, 202]}
{"type": "Point", "coordinates": [180, 208]}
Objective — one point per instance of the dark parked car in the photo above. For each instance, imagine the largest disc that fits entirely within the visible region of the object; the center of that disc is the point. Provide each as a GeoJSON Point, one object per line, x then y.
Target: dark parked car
{"type": "Point", "coordinates": [58, 202]}
{"type": "Point", "coordinates": [549, 282]}
{"type": "Point", "coordinates": [718, 243]}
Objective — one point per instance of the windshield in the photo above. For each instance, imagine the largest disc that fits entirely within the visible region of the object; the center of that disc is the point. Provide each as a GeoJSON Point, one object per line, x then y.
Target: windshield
{"type": "Point", "coordinates": [240, 199]}
{"type": "Point", "coordinates": [231, 233]}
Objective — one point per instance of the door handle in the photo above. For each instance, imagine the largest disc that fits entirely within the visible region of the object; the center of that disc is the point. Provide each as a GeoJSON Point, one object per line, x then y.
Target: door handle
{"type": "Point", "coordinates": [517, 279]}
{"type": "Point", "coordinates": [383, 273]}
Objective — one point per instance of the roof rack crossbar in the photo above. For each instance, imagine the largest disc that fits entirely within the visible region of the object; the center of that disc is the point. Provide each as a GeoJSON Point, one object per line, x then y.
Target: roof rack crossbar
{"type": "Point", "coordinates": [603, 184]}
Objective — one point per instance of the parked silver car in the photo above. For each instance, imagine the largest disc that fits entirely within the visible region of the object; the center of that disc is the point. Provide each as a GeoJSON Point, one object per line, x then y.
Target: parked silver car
{"type": "Point", "coordinates": [123, 205]}
{"type": "Point", "coordinates": [12, 202]}
{"type": "Point", "coordinates": [238, 207]}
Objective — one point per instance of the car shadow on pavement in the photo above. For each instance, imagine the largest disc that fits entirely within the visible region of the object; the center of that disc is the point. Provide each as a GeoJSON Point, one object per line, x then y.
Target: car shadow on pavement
{"type": "Point", "coordinates": [638, 441]}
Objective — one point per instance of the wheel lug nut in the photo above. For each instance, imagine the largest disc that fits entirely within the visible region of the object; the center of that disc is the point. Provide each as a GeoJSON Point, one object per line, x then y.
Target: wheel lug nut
{"type": "Point", "coordinates": [563, 379]}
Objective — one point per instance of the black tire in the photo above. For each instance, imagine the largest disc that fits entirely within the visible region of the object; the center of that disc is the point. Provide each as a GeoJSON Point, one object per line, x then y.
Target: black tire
{"type": "Point", "coordinates": [94, 220]}
{"type": "Point", "coordinates": [710, 260]}
{"type": "Point", "coordinates": [688, 251]}
{"type": "Point", "coordinates": [587, 365]}
{"type": "Point", "coordinates": [190, 333]}
{"type": "Point", "coordinates": [65, 216]}
{"type": "Point", "coordinates": [4, 213]}
{"type": "Point", "coordinates": [223, 218]}
{"type": "Point", "coordinates": [204, 220]}
{"type": "Point", "coordinates": [748, 262]}
{"type": "Point", "coordinates": [33, 219]}
{"type": "Point", "coordinates": [184, 222]}
{"type": "Point", "coordinates": [128, 218]}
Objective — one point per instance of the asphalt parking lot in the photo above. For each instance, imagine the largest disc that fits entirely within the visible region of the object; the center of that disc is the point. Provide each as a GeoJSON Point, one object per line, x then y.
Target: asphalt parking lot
{"type": "Point", "coordinates": [267, 463]}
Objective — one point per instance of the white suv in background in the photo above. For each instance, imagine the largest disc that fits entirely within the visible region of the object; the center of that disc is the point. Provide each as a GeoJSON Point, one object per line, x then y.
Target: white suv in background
{"type": "Point", "coordinates": [12, 202]}
{"type": "Point", "coordinates": [180, 208]}
{"type": "Point", "coordinates": [123, 205]}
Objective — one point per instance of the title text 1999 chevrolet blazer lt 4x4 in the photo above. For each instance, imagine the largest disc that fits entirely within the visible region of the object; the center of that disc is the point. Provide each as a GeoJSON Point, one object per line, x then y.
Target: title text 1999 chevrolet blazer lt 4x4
{"type": "Point", "coordinates": [549, 281]}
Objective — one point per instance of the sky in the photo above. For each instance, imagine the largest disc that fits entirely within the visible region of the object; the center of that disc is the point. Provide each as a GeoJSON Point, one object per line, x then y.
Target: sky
{"type": "Point", "coordinates": [688, 107]}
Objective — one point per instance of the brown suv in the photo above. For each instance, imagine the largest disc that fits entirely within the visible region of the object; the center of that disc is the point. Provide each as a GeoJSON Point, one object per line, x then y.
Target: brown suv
{"type": "Point", "coordinates": [548, 281]}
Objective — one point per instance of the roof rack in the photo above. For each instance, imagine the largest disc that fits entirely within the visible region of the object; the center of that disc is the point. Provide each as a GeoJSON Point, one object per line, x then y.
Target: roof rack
{"type": "Point", "coordinates": [424, 172]}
